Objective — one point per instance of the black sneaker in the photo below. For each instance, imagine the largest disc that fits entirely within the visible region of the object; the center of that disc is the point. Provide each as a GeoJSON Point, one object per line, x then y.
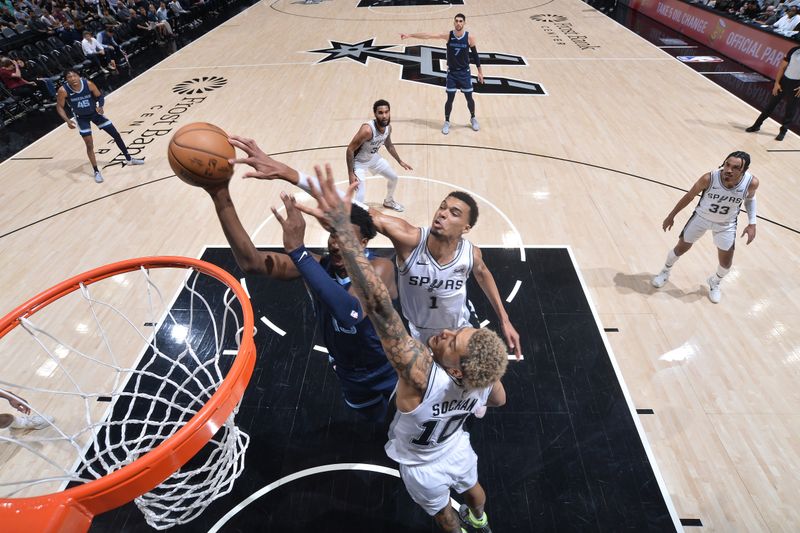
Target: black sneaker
{"type": "Point", "coordinates": [466, 520]}
{"type": "Point", "coordinates": [753, 128]}
{"type": "Point", "coordinates": [781, 135]}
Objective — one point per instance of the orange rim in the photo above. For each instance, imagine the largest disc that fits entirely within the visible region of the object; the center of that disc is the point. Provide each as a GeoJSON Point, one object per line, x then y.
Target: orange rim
{"type": "Point", "coordinates": [73, 509]}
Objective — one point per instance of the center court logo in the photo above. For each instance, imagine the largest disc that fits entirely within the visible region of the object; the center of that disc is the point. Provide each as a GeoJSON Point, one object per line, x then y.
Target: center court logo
{"type": "Point", "coordinates": [206, 84]}
{"type": "Point", "coordinates": [423, 64]}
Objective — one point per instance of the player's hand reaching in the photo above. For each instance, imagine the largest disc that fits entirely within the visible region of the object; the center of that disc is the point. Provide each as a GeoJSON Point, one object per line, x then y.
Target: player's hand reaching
{"type": "Point", "coordinates": [294, 225]}
{"type": "Point", "coordinates": [99, 110]}
{"type": "Point", "coordinates": [332, 210]}
{"type": "Point", "coordinates": [750, 231]}
{"type": "Point", "coordinates": [264, 166]}
{"type": "Point", "coordinates": [404, 36]}
{"type": "Point", "coordinates": [405, 165]}
{"type": "Point", "coordinates": [668, 222]}
{"type": "Point", "coordinates": [17, 403]}
{"type": "Point", "coordinates": [71, 124]}
{"type": "Point", "coordinates": [512, 338]}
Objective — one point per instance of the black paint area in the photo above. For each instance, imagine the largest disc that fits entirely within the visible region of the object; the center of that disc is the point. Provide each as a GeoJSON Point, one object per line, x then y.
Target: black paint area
{"type": "Point", "coordinates": [562, 455]}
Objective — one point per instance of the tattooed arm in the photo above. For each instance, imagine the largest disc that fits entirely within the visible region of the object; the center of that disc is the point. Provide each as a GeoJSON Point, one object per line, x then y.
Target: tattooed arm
{"type": "Point", "coordinates": [409, 357]}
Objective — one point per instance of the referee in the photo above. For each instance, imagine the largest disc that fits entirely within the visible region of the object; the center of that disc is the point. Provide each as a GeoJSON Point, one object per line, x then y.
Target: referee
{"type": "Point", "coordinates": [787, 85]}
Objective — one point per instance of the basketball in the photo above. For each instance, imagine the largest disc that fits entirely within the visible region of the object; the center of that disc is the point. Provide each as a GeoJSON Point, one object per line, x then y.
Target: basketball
{"type": "Point", "coordinates": [198, 154]}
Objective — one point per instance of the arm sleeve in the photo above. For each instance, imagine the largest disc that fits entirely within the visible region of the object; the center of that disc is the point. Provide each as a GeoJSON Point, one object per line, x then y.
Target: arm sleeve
{"type": "Point", "coordinates": [476, 58]}
{"type": "Point", "coordinates": [345, 307]}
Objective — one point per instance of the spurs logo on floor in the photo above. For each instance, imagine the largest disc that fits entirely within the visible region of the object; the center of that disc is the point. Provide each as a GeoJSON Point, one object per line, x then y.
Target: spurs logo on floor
{"type": "Point", "coordinates": [206, 84]}
{"type": "Point", "coordinates": [423, 64]}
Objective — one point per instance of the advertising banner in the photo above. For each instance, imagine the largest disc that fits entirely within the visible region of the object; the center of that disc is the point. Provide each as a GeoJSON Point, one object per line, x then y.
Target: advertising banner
{"type": "Point", "coordinates": [759, 50]}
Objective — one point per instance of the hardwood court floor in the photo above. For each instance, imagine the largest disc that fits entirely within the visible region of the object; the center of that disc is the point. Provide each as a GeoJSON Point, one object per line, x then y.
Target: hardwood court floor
{"type": "Point", "coordinates": [596, 163]}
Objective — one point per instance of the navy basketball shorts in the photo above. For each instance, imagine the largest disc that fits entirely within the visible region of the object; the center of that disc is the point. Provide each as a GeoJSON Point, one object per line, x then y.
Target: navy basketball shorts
{"type": "Point", "coordinates": [85, 126]}
{"type": "Point", "coordinates": [459, 79]}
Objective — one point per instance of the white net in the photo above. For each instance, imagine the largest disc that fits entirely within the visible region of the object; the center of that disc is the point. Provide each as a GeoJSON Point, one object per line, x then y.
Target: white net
{"type": "Point", "coordinates": [114, 371]}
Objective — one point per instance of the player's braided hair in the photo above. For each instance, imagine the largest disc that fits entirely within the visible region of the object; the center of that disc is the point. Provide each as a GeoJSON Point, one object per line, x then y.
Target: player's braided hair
{"type": "Point", "coordinates": [361, 218]}
{"type": "Point", "coordinates": [486, 359]}
{"type": "Point", "coordinates": [744, 156]}
{"type": "Point", "coordinates": [470, 201]}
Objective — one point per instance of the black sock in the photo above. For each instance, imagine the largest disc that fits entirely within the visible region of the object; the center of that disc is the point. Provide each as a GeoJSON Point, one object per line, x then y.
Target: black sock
{"type": "Point", "coordinates": [95, 168]}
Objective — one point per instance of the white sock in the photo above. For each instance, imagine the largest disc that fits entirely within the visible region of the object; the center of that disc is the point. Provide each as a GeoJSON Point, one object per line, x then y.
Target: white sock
{"type": "Point", "coordinates": [391, 186]}
{"type": "Point", "coordinates": [721, 272]}
{"type": "Point", "coordinates": [671, 258]}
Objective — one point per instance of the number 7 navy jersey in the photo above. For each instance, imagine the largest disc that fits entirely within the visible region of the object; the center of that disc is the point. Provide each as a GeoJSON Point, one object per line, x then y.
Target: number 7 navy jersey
{"type": "Point", "coordinates": [720, 204]}
{"type": "Point", "coordinates": [458, 51]}
{"type": "Point", "coordinates": [435, 426]}
{"type": "Point", "coordinates": [434, 296]}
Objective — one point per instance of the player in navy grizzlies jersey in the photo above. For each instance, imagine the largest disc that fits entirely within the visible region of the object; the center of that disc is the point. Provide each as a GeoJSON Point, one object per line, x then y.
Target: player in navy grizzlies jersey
{"type": "Point", "coordinates": [440, 383]}
{"type": "Point", "coordinates": [722, 193]}
{"type": "Point", "coordinates": [366, 377]}
{"type": "Point", "coordinates": [460, 45]}
{"type": "Point", "coordinates": [86, 102]}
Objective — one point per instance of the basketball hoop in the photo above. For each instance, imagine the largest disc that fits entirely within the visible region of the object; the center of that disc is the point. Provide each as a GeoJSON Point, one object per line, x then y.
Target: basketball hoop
{"type": "Point", "coordinates": [179, 398]}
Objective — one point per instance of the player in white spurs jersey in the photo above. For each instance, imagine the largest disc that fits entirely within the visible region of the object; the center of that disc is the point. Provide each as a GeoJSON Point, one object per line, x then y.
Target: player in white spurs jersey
{"type": "Point", "coordinates": [362, 154]}
{"type": "Point", "coordinates": [439, 384]}
{"type": "Point", "coordinates": [723, 191]}
{"type": "Point", "coordinates": [434, 264]}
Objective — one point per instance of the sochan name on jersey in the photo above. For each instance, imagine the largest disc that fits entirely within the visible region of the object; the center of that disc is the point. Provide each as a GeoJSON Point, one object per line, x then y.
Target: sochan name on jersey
{"type": "Point", "coordinates": [450, 284]}
{"type": "Point", "coordinates": [454, 405]}
{"type": "Point", "coordinates": [724, 198]}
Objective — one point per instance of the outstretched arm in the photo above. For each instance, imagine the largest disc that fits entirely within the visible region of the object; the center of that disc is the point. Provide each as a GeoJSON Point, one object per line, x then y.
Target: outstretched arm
{"type": "Point", "coordinates": [403, 235]}
{"type": "Point", "coordinates": [699, 186]}
{"type": "Point", "coordinates": [16, 402]}
{"type": "Point", "coordinates": [248, 257]}
{"type": "Point", "coordinates": [344, 307]}
{"type": "Point", "coordinates": [408, 356]}
{"type": "Point", "coordinates": [424, 35]}
{"type": "Point", "coordinates": [264, 167]}
{"type": "Point", "coordinates": [486, 281]}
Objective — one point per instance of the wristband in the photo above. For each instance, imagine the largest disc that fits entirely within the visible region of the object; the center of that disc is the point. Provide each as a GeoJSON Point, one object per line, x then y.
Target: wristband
{"type": "Point", "coordinates": [750, 206]}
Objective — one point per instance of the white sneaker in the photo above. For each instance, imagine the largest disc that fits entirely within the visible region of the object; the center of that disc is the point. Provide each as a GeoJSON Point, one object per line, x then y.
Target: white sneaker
{"type": "Point", "coordinates": [134, 161]}
{"type": "Point", "coordinates": [31, 421]}
{"type": "Point", "coordinates": [446, 127]}
{"type": "Point", "coordinates": [98, 178]}
{"type": "Point", "coordinates": [474, 123]}
{"type": "Point", "coordinates": [714, 292]}
{"type": "Point", "coordinates": [391, 204]}
{"type": "Point", "coordinates": [660, 279]}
